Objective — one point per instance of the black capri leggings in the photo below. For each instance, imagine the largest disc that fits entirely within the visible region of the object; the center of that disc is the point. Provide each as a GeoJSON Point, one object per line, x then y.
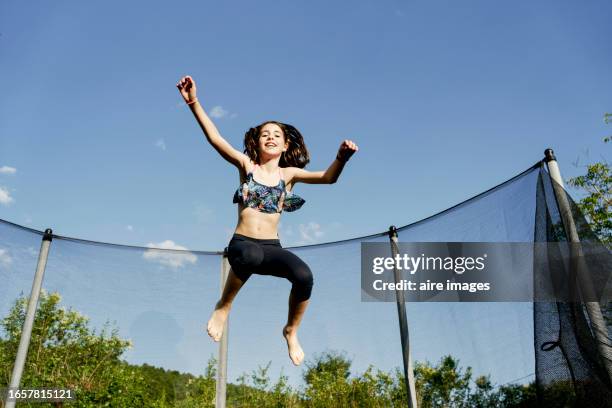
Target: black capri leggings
{"type": "Point", "coordinates": [249, 255]}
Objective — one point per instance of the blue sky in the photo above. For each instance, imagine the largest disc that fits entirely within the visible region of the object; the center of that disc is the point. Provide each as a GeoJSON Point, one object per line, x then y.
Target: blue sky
{"type": "Point", "coordinates": [445, 100]}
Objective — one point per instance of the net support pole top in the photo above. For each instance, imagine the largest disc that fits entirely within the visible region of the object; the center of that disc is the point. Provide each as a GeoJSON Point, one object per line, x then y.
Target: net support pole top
{"type": "Point", "coordinates": [392, 232]}
{"type": "Point", "coordinates": [549, 155]}
{"type": "Point", "coordinates": [553, 167]}
{"type": "Point", "coordinates": [48, 236]}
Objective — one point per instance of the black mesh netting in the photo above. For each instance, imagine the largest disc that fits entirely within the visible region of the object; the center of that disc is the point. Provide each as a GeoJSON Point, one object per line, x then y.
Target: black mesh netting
{"type": "Point", "coordinates": [570, 367]}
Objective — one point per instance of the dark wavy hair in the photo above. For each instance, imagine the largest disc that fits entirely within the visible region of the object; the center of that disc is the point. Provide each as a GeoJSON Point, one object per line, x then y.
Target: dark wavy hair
{"type": "Point", "coordinates": [296, 155]}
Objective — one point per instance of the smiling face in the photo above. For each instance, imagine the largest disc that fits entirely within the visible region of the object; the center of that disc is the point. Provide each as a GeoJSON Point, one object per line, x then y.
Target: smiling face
{"type": "Point", "coordinates": [272, 140]}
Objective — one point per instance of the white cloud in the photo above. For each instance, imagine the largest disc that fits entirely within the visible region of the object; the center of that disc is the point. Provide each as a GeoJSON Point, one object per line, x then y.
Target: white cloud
{"type": "Point", "coordinates": [310, 233]}
{"type": "Point", "coordinates": [129, 228]}
{"type": "Point", "coordinates": [161, 144]}
{"type": "Point", "coordinates": [5, 258]}
{"type": "Point", "coordinates": [217, 112]}
{"type": "Point", "coordinates": [5, 196]}
{"type": "Point", "coordinates": [7, 170]}
{"type": "Point", "coordinates": [173, 259]}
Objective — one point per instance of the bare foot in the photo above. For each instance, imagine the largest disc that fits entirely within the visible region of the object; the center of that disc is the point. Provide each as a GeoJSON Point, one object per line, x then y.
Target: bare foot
{"type": "Point", "coordinates": [216, 322]}
{"type": "Point", "coordinates": [296, 354]}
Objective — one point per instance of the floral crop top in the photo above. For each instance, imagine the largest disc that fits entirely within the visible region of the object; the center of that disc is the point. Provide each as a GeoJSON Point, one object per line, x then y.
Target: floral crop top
{"type": "Point", "coordinates": [265, 198]}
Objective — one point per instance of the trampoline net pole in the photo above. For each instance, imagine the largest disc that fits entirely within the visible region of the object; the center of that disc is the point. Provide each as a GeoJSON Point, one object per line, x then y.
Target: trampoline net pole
{"type": "Point", "coordinates": [403, 322]}
{"type": "Point", "coordinates": [221, 386]}
{"type": "Point", "coordinates": [593, 309]}
{"type": "Point", "coordinates": [26, 331]}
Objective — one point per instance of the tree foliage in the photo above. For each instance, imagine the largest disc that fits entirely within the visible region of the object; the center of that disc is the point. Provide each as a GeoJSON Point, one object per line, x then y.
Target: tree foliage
{"type": "Point", "coordinates": [597, 183]}
{"type": "Point", "coordinates": [66, 353]}
{"type": "Point", "coordinates": [448, 385]}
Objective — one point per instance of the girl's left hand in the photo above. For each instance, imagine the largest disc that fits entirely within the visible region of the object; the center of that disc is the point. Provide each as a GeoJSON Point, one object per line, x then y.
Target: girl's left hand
{"type": "Point", "coordinates": [346, 150]}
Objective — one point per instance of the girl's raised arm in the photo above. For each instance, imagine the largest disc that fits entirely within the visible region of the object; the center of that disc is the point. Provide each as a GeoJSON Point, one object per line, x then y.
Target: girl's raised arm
{"type": "Point", "coordinates": [329, 176]}
{"type": "Point", "coordinates": [187, 87]}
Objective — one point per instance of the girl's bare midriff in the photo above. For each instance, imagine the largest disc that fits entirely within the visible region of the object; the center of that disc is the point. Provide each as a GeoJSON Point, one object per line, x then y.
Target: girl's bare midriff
{"type": "Point", "coordinates": [256, 224]}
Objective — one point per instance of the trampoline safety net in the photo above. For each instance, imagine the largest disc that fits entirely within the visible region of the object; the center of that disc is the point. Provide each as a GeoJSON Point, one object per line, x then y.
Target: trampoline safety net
{"type": "Point", "coordinates": [145, 309]}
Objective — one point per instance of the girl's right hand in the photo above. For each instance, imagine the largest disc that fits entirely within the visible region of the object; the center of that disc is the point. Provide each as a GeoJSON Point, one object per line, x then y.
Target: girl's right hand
{"type": "Point", "coordinates": [187, 88]}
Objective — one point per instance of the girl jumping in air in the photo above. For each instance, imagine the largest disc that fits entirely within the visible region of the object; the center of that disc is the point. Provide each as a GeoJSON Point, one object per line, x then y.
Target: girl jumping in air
{"type": "Point", "coordinates": [272, 163]}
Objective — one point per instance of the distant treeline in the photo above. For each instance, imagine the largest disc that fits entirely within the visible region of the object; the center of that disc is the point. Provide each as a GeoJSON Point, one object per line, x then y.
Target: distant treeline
{"type": "Point", "coordinates": [66, 353]}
